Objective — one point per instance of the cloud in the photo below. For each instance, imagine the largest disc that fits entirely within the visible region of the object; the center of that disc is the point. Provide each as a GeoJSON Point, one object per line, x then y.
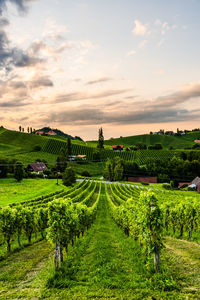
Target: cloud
{"type": "Point", "coordinates": [76, 96]}
{"type": "Point", "coordinates": [142, 44]}
{"type": "Point", "coordinates": [40, 82]}
{"type": "Point", "coordinates": [13, 103]}
{"type": "Point", "coordinates": [186, 93]}
{"type": "Point", "coordinates": [131, 53]}
{"type": "Point", "coordinates": [12, 56]}
{"type": "Point", "coordinates": [140, 29]}
{"type": "Point", "coordinates": [93, 116]}
{"type": "Point", "coordinates": [102, 79]}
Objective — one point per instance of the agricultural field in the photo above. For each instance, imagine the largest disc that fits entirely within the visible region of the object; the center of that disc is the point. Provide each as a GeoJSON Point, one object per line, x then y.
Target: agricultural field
{"type": "Point", "coordinates": [106, 251]}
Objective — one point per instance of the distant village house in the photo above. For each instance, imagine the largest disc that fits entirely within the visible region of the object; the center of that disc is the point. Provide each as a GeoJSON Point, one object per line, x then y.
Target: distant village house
{"type": "Point", "coordinates": [118, 147]}
{"type": "Point", "coordinates": [37, 167]}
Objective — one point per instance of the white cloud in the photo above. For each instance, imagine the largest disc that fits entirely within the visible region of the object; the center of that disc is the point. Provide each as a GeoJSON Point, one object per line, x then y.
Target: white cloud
{"type": "Point", "coordinates": [140, 29]}
{"type": "Point", "coordinates": [131, 53]}
{"type": "Point", "coordinates": [142, 44]}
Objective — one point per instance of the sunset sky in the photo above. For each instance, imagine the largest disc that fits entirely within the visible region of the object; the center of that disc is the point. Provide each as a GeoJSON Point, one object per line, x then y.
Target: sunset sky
{"type": "Point", "coordinates": [130, 66]}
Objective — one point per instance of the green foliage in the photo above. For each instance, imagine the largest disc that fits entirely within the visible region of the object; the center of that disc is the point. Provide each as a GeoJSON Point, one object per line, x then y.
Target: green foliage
{"type": "Point", "coordinates": [101, 139]}
{"type": "Point", "coordinates": [37, 148]}
{"type": "Point", "coordinates": [85, 173]}
{"type": "Point", "coordinates": [69, 176]}
{"type": "Point", "coordinates": [18, 171]}
{"type": "Point", "coordinates": [7, 224]}
{"type": "Point", "coordinates": [114, 170]}
{"type": "Point", "coordinates": [3, 167]}
{"type": "Point", "coordinates": [69, 146]}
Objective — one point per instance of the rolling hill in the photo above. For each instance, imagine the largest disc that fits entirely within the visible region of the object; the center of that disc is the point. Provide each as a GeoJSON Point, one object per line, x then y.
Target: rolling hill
{"type": "Point", "coordinates": [177, 142]}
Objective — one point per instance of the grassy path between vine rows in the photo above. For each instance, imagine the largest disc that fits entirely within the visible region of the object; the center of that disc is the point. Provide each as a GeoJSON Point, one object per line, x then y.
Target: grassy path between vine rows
{"type": "Point", "coordinates": [104, 264]}
{"type": "Point", "coordinates": [185, 255]}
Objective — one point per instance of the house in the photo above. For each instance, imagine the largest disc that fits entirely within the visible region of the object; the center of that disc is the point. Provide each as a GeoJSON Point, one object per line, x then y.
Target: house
{"type": "Point", "coordinates": [118, 147]}
{"type": "Point", "coordinates": [40, 132]}
{"type": "Point", "coordinates": [37, 167]}
{"type": "Point", "coordinates": [169, 132]}
{"type": "Point", "coordinates": [197, 141]}
{"type": "Point", "coordinates": [51, 132]}
{"type": "Point", "coordinates": [81, 156]}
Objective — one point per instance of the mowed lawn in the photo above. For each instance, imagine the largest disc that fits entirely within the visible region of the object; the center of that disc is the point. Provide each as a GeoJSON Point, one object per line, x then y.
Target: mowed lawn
{"type": "Point", "coordinates": [13, 191]}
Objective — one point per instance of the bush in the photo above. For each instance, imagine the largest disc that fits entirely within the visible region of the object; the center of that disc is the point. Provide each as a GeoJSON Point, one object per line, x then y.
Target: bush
{"type": "Point", "coordinates": [37, 148]}
{"type": "Point", "coordinates": [184, 186]}
{"type": "Point", "coordinates": [191, 188]}
{"type": "Point", "coordinates": [85, 173]}
{"type": "Point", "coordinates": [144, 183]}
{"type": "Point", "coordinates": [166, 186]}
{"type": "Point", "coordinates": [69, 176]}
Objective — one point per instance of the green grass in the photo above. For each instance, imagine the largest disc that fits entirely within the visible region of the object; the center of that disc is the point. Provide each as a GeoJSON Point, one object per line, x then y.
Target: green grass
{"type": "Point", "coordinates": [12, 191]}
{"type": "Point", "coordinates": [95, 169]}
{"type": "Point", "coordinates": [27, 158]}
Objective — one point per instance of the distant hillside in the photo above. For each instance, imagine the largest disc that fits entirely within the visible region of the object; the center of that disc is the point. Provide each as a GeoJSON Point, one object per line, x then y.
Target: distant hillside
{"type": "Point", "coordinates": [60, 133]}
{"type": "Point", "coordinates": [176, 142]}
{"type": "Point", "coordinates": [15, 142]}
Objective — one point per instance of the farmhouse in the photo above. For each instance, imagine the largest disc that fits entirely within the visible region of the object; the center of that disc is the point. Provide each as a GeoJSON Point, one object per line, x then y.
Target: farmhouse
{"type": "Point", "coordinates": [37, 167]}
{"type": "Point", "coordinates": [194, 184]}
{"type": "Point", "coordinates": [197, 141]}
{"type": "Point", "coordinates": [51, 132]}
{"type": "Point", "coordinates": [118, 147]}
{"type": "Point", "coordinates": [40, 132]}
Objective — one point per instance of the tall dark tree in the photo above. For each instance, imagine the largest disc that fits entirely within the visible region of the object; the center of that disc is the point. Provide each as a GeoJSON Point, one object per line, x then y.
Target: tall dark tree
{"type": "Point", "coordinates": [69, 146]}
{"type": "Point", "coordinates": [101, 139]}
{"type": "Point", "coordinates": [20, 128]}
{"type": "Point", "coordinates": [62, 160]}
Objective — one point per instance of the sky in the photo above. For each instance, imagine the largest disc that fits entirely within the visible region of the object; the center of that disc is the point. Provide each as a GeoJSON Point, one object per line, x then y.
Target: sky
{"type": "Point", "coordinates": [128, 66]}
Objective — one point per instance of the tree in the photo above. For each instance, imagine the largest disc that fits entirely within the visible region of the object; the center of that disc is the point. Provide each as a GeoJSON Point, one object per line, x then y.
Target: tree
{"type": "Point", "coordinates": [62, 160]}
{"type": "Point", "coordinates": [18, 171]}
{"type": "Point", "coordinates": [28, 129]}
{"type": "Point", "coordinates": [3, 167]}
{"type": "Point", "coordinates": [69, 176]}
{"type": "Point", "coordinates": [20, 128]}
{"type": "Point", "coordinates": [101, 139]}
{"type": "Point", "coordinates": [69, 146]}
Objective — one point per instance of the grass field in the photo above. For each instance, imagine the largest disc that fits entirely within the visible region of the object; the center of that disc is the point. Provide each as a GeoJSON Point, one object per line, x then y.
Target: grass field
{"type": "Point", "coordinates": [28, 189]}
{"type": "Point", "coordinates": [104, 264]}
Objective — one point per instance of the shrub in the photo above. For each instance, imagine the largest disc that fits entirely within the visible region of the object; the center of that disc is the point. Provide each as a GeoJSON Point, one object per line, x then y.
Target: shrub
{"type": "Point", "coordinates": [144, 183]}
{"type": "Point", "coordinates": [85, 173]}
{"type": "Point", "coordinates": [166, 186]}
{"type": "Point", "coordinates": [37, 148]}
{"type": "Point", "coordinates": [69, 176]}
{"type": "Point", "coordinates": [184, 186]}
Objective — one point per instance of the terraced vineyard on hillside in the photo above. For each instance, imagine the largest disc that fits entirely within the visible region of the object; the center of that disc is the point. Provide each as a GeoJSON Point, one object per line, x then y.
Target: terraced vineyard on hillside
{"type": "Point", "coordinates": [106, 260]}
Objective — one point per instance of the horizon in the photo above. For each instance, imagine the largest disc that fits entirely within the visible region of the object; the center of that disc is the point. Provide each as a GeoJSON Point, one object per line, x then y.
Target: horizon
{"type": "Point", "coordinates": [129, 67]}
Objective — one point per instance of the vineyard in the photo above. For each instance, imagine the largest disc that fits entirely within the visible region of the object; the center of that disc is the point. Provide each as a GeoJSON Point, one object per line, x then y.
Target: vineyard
{"type": "Point", "coordinates": [140, 156]}
{"type": "Point", "coordinates": [109, 240]}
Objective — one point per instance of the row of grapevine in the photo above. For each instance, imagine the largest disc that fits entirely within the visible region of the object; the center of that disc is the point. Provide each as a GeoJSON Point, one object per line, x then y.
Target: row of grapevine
{"type": "Point", "coordinates": [182, 216]}
{"type": "Point", "coordinates": [67, 220]}
{"type": "Point", "coordinates": [141, 219]}
{"type": "Point", "coordinates": [24, 220]}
